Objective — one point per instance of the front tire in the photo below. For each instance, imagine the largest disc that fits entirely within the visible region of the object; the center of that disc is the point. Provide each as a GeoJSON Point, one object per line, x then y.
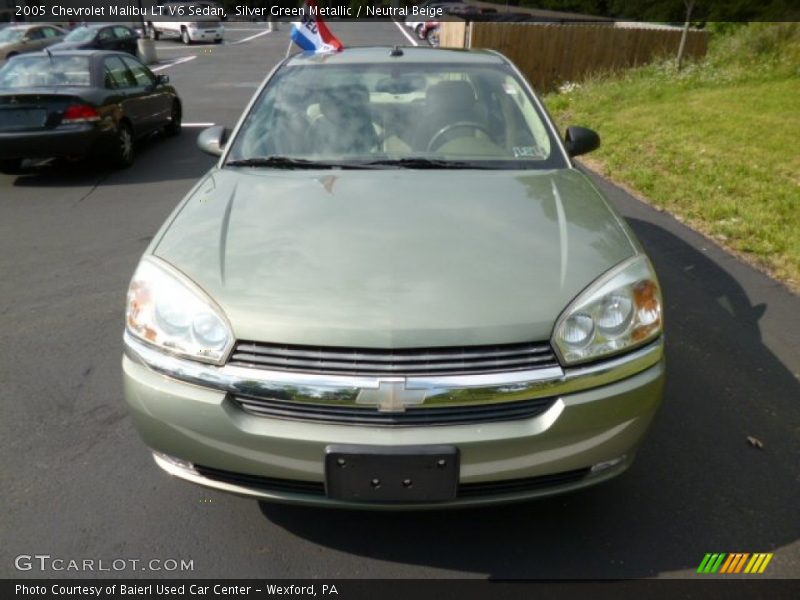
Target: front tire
{"type": "Point", "coordinates": [173, 128]}
{"type": "Point", "coordinates": [219, 41]}
{"type": "Point", "coordinates": [185, 37]}
{"type": "Point", "coordinates": [122, 153]}
{"type": "Point", "coordinates": [419, 31]}
{"type": "Point", "coordinates": [152, 33]}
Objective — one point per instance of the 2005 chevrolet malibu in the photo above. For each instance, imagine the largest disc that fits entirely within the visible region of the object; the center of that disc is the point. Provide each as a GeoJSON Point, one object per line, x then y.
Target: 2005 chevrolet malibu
{"type": "Point", "coordinates": [394, 290]}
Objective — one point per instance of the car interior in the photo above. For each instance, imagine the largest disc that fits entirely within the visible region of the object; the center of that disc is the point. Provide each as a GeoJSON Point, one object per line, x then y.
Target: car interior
{"type": "Point", "coordinates": [480, 115]}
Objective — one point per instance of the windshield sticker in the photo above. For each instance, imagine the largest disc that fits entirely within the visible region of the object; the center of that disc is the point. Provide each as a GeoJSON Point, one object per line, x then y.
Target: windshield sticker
{"type": "Point", "coordinates": [525, 152]}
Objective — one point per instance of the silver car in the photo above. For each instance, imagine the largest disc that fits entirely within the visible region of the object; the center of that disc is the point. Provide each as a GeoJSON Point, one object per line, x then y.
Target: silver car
{"type": "Point", "coordinates": [18, 39]}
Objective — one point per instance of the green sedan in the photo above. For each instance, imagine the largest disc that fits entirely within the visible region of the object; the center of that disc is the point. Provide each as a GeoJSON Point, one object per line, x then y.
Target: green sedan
{"type": "Point", "coordinates": [394, 290]}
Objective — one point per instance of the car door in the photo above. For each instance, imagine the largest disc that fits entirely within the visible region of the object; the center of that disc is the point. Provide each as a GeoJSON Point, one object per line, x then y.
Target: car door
{"type": "Point", "coordinates": [51, 36]}
{"type": "Point", "coordinates": [34, 39]}
{"type": "Point", "coordinates": [128, 94]}
{"type": "Point", "coordinates": [125, 40]}
{"type": "Point", "coordinates": [155, 99]}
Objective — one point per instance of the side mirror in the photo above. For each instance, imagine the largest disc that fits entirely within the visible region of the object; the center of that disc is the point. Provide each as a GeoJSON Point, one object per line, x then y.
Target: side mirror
{"type": "Point", "coordinates": [580, 140]}
{"type": "Point", "coordinates": [162, 79]}
{"type": "Point", "coordinates": [212, 140]}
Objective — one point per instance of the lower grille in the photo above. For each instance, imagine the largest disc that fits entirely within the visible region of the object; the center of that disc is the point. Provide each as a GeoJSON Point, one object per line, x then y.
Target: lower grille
{"type": "Point", "coordinates": [403, 362]}
{"type": "Point", "coordinates": [293, 486]}
{"type": "Point", "coordinates": [465, 490]}
{"type": "Point", "coordinates": [527, 484]}
{"type": "Point", "coordinates": [359, 415]}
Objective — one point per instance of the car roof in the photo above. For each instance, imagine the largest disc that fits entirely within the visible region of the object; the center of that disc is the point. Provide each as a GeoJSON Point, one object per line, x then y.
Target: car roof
{"type": "Point", "coordinates": [101, 25]}
{"type": "Point", "coordinates": [410, 54]}
{"type": "Point", "coordinates": [90, 53]}
{"type": "Point", "coordinates": [24, 26]}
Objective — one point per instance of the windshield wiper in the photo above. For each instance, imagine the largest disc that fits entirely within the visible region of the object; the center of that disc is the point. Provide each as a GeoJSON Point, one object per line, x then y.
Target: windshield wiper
{"type": "Point", "coordinates": [285, 162]}
{"type": "Point", "coordinates": [424, 163]}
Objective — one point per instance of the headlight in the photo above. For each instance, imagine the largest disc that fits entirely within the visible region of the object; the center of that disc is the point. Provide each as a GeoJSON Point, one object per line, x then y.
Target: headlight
{"type": "Point", "coordinates": [167, 310]}
{"type": "Point", "coordinates": [619, 311]}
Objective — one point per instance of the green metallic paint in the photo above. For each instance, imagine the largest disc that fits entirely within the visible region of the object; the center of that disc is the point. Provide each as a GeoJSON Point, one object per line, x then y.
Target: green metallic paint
{"type": "Point", "coordinates": [199, 425]}
{"type": "Point", "coordinates": [395, 257]}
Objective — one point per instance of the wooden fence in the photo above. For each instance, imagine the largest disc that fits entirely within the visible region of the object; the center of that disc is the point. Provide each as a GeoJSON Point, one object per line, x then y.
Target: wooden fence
{"type": "Point", "coordinates": [551, 54]}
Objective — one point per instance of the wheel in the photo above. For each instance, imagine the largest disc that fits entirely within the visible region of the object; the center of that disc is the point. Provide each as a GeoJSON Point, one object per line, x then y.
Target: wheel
{"type": "Point", "coordinates": [185, 37]}
{"type": "Point", "coordinates": [219, 41]}
{"type": "Point", "coordinates": [11, 166]}
{"type": "Point", "coordinates": [152, 33]}
{"type": "Point", "coordinates": [122, 152]}
{"type": "Point", "coordinates": [420, 31]}
{"type": "Point", "coordinates": [174, 126]}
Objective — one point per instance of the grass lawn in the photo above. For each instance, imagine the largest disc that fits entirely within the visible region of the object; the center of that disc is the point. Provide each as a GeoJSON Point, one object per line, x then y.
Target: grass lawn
{"type": "Point", "coordinates": [717, 145]}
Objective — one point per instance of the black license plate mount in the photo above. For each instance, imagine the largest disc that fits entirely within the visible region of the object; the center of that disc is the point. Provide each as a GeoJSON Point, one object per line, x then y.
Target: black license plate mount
{"type": "Point", "coordinates": [391, 474]}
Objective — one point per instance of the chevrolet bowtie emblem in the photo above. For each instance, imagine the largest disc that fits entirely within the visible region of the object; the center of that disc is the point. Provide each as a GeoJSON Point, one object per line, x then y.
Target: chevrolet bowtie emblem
{"type": "Point", "coordinates": [391, 396]}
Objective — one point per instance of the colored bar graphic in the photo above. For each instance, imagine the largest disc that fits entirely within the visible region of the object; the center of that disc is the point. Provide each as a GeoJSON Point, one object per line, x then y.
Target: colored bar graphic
{"type": "Point", "coordinates": [727, 564]}
{"type": "Point", "coordinates": [730, 564]}
{"type": "Point", "coordinates": [740, 564]}
{"type": "Point", "coordinates": [714, 563]}
{"type": "Point", "coordinates": [767, 558]}
{"type": "Point", "coordinates": [734, 562]}
{"type": "Point", "coordinates": [754, 562]}
{"type": "Point", "coordinates": [704, 563]}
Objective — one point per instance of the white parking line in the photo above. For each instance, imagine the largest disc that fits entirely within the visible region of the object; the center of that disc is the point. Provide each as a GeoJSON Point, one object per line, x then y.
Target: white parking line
{"type": "Point", "coordinates": [405, 33]}
{"type": "Point", "coordinates": [252, 37]}
{"type": "Point", "coordinates": [197, 124]}
{"type": "Point", "coordinates": [173, 63]}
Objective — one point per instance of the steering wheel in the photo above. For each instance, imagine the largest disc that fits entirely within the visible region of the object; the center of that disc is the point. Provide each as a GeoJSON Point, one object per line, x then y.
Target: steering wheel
{"type": "Point", "coordinates": [460, 125]}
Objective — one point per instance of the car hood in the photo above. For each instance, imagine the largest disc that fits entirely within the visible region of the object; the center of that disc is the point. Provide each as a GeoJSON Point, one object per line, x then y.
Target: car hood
{"type": "Point", "coordinates": [393, 258]}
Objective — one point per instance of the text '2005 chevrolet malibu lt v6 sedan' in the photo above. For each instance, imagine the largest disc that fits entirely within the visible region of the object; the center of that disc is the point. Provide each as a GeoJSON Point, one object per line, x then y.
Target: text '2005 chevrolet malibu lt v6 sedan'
{"type": "Point", "coordinates": [394, 290]}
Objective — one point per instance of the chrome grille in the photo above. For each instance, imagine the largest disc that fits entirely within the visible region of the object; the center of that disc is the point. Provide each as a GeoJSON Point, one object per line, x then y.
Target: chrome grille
{"type": "Point", "coordinates": [417, 416]}
{"type": "Point", "coordinates": [409, 362]}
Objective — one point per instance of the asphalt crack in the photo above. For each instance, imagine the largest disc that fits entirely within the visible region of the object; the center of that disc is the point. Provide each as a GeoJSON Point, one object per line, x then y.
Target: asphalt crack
{"type": "Point", "coordinates": [93, 189]}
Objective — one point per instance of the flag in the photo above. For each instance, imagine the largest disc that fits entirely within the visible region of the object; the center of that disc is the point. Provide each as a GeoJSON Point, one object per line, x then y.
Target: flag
{"type": "Point", "coordinates": [312, 34]}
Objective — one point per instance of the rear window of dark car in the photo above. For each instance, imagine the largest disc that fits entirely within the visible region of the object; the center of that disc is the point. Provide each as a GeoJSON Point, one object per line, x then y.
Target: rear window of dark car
{"type": "Point", "coordinates": [45, 71]}
{"type": "Point", "coordinates": [81, 34]}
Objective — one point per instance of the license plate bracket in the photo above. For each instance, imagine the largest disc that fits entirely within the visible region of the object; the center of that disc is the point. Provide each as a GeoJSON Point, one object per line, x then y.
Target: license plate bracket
{"type": "Point", "coordinates": [391, 474]}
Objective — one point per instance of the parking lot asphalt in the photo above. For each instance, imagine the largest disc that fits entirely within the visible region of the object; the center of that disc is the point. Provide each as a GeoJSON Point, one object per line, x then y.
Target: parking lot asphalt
{"type": "Point", "coordinates": [77, 483]}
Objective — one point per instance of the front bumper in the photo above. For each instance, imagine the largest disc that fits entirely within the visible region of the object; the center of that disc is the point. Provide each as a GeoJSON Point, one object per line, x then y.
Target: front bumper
{"type": "Point", "coordinates": [591, 431]}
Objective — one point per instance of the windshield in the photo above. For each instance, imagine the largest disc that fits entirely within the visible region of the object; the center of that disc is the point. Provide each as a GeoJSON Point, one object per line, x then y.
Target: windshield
{"type": "Point", "coordinates": [466, 114]}
{"type": "Point", "coordinates": [10, 35]}
{"type": "Point", "coordinates": [81, 34]}
{"type": "Point", "coordinates": [38, 71]}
